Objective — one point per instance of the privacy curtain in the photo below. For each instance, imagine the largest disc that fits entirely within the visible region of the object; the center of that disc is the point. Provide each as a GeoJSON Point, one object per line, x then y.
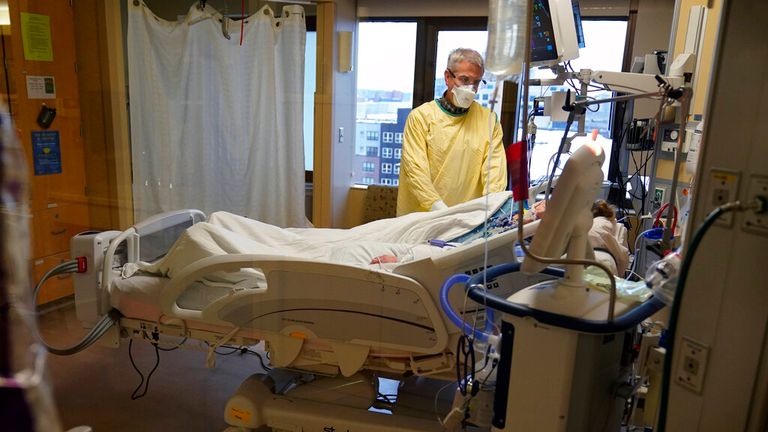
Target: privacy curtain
{"type": "Point", "coordinates": [216, 125]}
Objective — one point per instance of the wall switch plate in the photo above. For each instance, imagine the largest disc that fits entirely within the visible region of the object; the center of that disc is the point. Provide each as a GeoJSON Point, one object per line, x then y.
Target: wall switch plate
{"type": "Point", "coordinates": [754, 222]}
{"type": "Point", "coordinates": [691, 365]}
{"type": "Point", "coordinates": [724, 188]}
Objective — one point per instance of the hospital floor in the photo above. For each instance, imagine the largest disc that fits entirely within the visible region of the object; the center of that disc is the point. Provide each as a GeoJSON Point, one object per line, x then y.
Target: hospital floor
{"type": "Point", "coordinates": [94, 386]}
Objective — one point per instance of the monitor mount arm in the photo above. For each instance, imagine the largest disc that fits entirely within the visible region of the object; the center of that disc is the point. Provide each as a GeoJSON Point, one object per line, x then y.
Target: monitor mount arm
{"type": "Point", "coordinates": [680, 73]}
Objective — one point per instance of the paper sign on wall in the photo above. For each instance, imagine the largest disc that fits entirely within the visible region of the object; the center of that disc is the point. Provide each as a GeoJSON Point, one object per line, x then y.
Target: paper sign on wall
{"type": "Point", "coordinates": [41, 87]}
{"type": "Point", "coordinates": [46, 152]}
{"type": "Point", "coordinates": [36, 37]}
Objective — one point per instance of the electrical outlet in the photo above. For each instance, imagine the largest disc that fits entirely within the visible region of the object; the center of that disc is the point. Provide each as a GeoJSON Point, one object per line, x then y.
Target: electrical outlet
{"type": "Point", "coordinates": [692, 365]}
{"type": "Point", "coordinates": [725, 188]}
{"type": "Point", "coordinates": [754, 222]}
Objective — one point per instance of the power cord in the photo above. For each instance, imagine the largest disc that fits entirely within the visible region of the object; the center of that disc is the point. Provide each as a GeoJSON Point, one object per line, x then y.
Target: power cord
{"type": "Point", "coordinates": [244, 350]}
{"type": "Point", "coordinates": [77, 265]}
{"type": "Point", "coordinates": [145, 384]}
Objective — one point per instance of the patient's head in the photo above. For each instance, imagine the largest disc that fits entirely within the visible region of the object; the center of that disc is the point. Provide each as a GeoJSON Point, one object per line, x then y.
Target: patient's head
{"type": "Point", "coordinates": [602, 208]}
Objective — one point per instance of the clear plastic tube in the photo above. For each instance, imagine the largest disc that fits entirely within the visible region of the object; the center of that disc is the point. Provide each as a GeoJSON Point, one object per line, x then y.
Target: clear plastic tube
{"type": "Point", "coordinates": [505, 53]}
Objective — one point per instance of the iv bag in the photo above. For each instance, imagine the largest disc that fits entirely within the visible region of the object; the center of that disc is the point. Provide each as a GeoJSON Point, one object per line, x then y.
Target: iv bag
{"type": "Point", "coordinates": [506, 38]}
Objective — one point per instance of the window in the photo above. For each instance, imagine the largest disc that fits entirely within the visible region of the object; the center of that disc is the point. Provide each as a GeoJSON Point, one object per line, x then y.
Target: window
{"type": "Point", "coordinates": [386, 152]}
{"type": "Point", "coordinates": [398, 137]}
{"type": "Point", "coordinates": [383, 89]}
{"type": "Point", "coordinates": [386, 168]}
{"type": "Point", "coordinates": [397, 169]}
{"type": "Point", "coordinates": [398, 153]}
{"type": "Point", "coordinates": [367, 180]}
{"type": "Point", "coordinates": [396, 182]}
{"type": "Point", "coordinates": [372, 151]}
{"type": "Point", "coordinates": [604, 50]}
{"type": "Point", "coordinates": [369, 167]}
{"type": "Point", "coordinates": [309, 98]}
{"type": "Point", "coordinates": [386, 181]}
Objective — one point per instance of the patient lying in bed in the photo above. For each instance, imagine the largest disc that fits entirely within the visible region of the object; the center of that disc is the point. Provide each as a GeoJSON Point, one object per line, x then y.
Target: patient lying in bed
{"type": "Point", "coordinates": [609, 236]}
{"type": "Point", "coordinates": [404, 237]}
{"type": "Point", "coordinates": [376, 244]}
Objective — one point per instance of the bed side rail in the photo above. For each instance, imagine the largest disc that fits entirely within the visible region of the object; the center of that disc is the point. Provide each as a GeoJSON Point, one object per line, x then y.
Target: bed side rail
{"type": "Point", "coordinates": [290, 278]}
{"type": "Point", "coordinates": [154, 235]}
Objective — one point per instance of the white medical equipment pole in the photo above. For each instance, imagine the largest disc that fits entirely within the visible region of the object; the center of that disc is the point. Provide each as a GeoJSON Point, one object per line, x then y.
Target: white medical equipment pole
{"type": "Point", "coordinates": [525, 78]}
{"type": "Point", "coordinates": [685, 101]}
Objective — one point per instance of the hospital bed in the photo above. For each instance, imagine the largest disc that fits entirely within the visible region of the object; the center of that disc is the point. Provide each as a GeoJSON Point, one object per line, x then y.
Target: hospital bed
{"type": "Point", "coordinates": [323, 318]}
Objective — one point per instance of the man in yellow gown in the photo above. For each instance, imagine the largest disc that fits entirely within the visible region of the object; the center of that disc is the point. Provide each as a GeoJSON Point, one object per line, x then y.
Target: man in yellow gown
{"type": "Point", "coordinates": [445, 144]}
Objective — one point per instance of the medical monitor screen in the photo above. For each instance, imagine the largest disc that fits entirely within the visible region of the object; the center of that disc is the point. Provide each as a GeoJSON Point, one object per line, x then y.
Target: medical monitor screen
{"type": "Point", "coordinates": [543, 46]}
{"type": "Point", "coordinates": [577, 21]}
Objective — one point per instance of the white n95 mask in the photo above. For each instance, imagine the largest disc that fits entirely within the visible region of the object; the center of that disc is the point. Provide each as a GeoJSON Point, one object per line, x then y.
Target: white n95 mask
{"type": "Point", "coordinates": [463, 95]}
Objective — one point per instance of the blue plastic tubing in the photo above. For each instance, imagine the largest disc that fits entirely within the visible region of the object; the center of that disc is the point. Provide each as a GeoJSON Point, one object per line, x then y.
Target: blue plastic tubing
{"type": "Point", "coordinates": [454, 316]}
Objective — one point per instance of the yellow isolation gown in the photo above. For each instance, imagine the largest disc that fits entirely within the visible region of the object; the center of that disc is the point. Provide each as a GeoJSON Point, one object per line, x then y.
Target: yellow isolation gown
{"type": "Point", "coordinates": [445, 157]}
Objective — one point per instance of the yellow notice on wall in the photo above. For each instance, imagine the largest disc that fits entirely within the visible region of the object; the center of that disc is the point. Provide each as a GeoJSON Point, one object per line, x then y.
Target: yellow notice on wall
{"type": "Point", "coordinates": [36, 37]}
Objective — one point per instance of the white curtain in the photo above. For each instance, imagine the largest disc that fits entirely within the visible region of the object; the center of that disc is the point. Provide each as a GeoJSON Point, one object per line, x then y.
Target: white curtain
{"type": "Point", "coordinates": [216, 125]}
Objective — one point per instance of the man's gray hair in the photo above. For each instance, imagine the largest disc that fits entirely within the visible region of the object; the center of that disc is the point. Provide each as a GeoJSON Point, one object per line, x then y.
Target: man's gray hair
{"type": "Point", "coordinates": [465, 55]}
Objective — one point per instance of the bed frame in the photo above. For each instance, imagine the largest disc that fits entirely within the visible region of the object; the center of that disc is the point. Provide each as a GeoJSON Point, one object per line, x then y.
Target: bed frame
{"type": "Point", "coordinates": [320, 318]}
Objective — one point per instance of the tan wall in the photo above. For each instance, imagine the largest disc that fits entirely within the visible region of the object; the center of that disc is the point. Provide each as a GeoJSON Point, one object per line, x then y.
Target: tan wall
{"type": "Point", "coordinates": [703, 75]}
{"type": "Point", "coordinates": [334, 109]}
{"type": "Point", "coordinates": [706, 51]}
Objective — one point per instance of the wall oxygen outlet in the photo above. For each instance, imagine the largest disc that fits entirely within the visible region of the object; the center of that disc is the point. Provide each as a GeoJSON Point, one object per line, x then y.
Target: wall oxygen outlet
{"type": "Point", "coordinates": [692, 365]}
{"type": "Point", "coordinates": [725, 188]}
{"type": "Point", "coordinates": [756, 222]}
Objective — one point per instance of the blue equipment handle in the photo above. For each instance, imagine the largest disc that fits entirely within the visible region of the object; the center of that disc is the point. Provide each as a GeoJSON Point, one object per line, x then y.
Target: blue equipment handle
{"type": "Point", "coordinates": [626, 321]}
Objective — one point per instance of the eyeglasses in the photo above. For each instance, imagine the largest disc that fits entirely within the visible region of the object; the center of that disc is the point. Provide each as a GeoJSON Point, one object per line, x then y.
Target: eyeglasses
{"type": "Point", "coordinates": [465, 80]}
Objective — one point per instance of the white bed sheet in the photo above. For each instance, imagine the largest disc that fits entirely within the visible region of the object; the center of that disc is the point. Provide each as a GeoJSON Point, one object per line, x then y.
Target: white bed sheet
{"type": "Point", "coordinates": [405, 236]}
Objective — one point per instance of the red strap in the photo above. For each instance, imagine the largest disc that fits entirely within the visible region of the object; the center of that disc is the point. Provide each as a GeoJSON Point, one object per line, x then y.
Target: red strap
{"type": "Point", "coordinates": [82, 264]}
{"type": "Point", "coordinates": [657, 221]}
{"type": "Point", "coordinates": [517, 167]}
